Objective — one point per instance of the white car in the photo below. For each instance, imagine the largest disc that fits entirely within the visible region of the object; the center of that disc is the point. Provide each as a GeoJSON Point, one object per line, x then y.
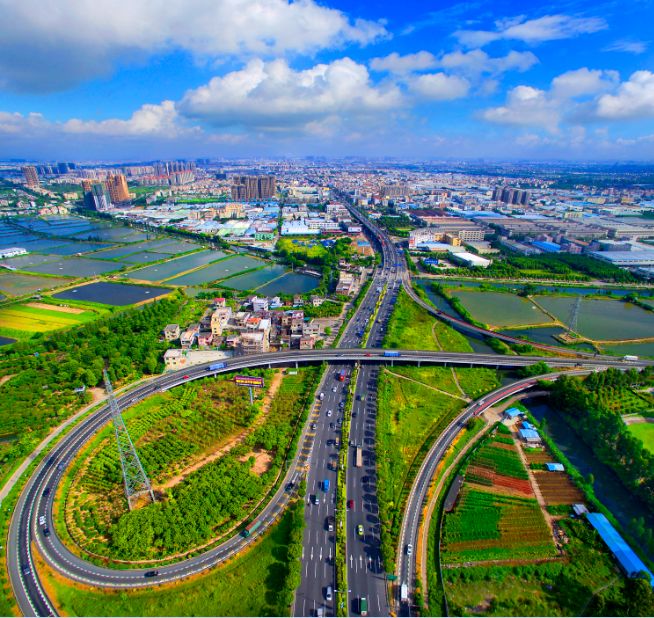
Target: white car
{"type": "Point", "coordinates": [42, 520]}
{"type": "Point", "coordinates": [334, 390]}
{"type": "Point", "coordinates": [329, 412]}
{"type": "Point", "coordinates": [328, 593]}
{"type": "Point", "coordinates": [409, 549]}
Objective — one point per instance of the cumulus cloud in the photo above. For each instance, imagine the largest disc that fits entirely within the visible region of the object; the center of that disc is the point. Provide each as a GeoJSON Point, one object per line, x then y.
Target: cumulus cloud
{"type": "Point", "coordinates": [439, 86]}
{"type": "Point", "coordinates": [526, 106]}
{"type": "Point", "coordinates": [273, 96]}
{"type": "Point", "coordinates": [477, 61]}
{"type": "Point", "coordinates": [633, 99]}
{"type": "Point", "coordinates": [583, 82]}
{"type": "Point", "coordinates": [161, 120]}
{"type": "Point", "coordinates": [394, 63]}
{"type": "Point", "coordinates": [541, 29]}
{"type": "Point", "coordinates": [73, 40]}
{"type": "Point", "coordinates": [574, 96]}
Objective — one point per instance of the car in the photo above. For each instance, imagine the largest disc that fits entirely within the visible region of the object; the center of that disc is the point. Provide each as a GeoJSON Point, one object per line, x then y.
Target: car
{"type": "Point", "coordinates": [409, 549]}
{"type": "Point", "coordinates": [290, 485]}
{"type": "Point", "coordinates": [313, 426]}
{"type": "Point", "coordinates": [46, 492]}
{"type": "Point", "coordinates": [354, 414]}
{"type": "Point", "coordinates": [350, 505]}
{"type": "Point", "coordinates": [331, 426]}
{"type": "Point", "coordinates": [328, 594]}
{"type": "Point", "coordinates": [359, 397]}
{"type": "Point", "coordinates": [150, 573]}
{"type": "Point", "coordinates": [42, 520]}
{"type": "Point", "coordinates": [360, 530]}
{"type": "Point", "coordinates": [329, 412]}
{"type": "Point", "coordinates": [46, 531]}
{"type": "Point", "coordinates": [26, 569]}
{"type": "Point", "coordinates": [315, 499]}
{"type": "Point", "coordinates": [186, 377]}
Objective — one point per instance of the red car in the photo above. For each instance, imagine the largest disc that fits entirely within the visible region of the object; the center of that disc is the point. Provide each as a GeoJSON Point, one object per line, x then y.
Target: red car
{"type": "Point", "coordinates": [350, 504]}
{"type": "Point", "coordinates": [186, 377]}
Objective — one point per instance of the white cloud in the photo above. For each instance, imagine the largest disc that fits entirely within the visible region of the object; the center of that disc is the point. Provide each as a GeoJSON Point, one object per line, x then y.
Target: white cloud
{"type": "Point", "coordinates": [634, 99]}
{"type": "Point", "coordinates": [439, 86]}
{"type": "Point", "coordinates": [631, 47]}
{"type": "Point", "coordinates": [583, 82]}
{"type": "Point", "coordinates": [526, 106]}
{"type": "Point", "coordinates": [477, 61]}
{"type": "Point", "coordinates": [52, 48]}
{"type": "Point", "coordinates": [273, 96]}
{"type": "Point", "coordinates": [546, 28]}
{"type": "Point", "coordinates": [161, 120]}
{"type": "Point", "coordinates": [394, 63]}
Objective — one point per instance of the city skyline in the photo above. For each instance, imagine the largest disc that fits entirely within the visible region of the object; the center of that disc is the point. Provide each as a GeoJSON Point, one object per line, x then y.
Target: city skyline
{"type": "Point", "coordinates": [239, 78]}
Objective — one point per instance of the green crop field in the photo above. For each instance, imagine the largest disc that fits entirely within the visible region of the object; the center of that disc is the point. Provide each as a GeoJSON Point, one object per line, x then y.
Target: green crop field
{"type": "Point", "coordinates": [247, 586]}
{"type": "Point", "coordinates": [38, 320]}
{"type": "Point", "coordinates": [486, 526]}
{"type": "Point", "coordinates": [645, 432]}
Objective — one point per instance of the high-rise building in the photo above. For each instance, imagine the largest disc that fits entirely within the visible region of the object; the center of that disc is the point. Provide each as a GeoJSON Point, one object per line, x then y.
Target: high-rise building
{"type": "Point", "coordinates": [251, 188]}
{"type": "Point", "coordinates": [100, 199]}
{"type": "Point", "coordinates": [118, 191]}
{"type": "Point", "coordinates": [31, 177]}
{"type": "Point", "coordinates": [509, 195]}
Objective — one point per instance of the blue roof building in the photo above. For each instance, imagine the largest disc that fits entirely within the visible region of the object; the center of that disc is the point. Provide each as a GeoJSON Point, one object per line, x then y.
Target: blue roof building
{"type": "Point", "coordinates": [512, 412]}
{"type": "Point", "coordinates": [548, 247]}
{"type": "Point", "coordinates": [555, 467]}
{"type": "Point", "coordinates": [529, 435]}
{"type": "Point", "coordinates": [527, 425]}
{"type": "Point", "coordinates": [630, 563]}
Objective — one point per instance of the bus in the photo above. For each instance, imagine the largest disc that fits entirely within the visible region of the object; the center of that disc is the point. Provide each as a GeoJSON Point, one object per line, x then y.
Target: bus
{"type": "Point", "coordinates": [359, 458]}
{"type": "Point", "coordinates": [250, 528]}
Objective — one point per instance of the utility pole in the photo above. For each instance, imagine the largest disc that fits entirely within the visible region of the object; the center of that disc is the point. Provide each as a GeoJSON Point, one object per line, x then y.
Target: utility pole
{"type": "Point", "coordinates": [136, 481]}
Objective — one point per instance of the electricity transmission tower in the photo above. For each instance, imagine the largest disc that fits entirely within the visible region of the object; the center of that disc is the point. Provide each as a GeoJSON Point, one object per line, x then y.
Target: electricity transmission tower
{"type": "Point", "coordinates": [574, 315]}
{"type": "Point", "coordinates": [137, 483]}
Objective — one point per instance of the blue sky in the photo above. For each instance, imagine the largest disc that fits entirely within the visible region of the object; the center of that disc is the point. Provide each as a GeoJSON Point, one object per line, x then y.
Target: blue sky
{"type": "Point", "coordinates": [127, 79]}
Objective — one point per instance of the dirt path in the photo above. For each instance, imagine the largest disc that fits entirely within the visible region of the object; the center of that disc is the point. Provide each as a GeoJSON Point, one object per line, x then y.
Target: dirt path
{"type": "Point", "coordinates": [275, 383]}
{"type": "Point", "coordinates": [4, 379]}
{"type": "Point", "coordinates": [59, 308]}
{"type": "Point", "coordinates": [438, 390]}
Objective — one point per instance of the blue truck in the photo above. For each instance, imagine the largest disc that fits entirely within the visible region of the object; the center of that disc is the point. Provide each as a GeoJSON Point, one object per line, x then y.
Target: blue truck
{"type": "Point", "coordinates": [216, 366]}
{"type": "Point", "coordinates": [392, 354]}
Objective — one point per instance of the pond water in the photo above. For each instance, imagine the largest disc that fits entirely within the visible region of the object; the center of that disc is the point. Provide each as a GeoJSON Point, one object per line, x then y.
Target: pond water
{"type": "Point", "coordinates": [159, 272]}
{"type": "Point", "coordinates": [499, 309]}
{"type": "Point", "coordinates": [218, 270]}
{"type": "Point", "coordinates": [168, 245]}
{"type": "Point", "coordinates": [6, 340]}
{"type": "Point", "coordinates": [76, 267]}
{"type": "Point", "coordinates": [15, 284]}
{"type": "Point", "coordinates": [291, 283]}
{"type": "Point", "coordinates": [601, 319]}
{"type": "Point", "coordinates": [637, 349]}
{"type": "Point", "coordinates": [579, 290]}
{"type": "Point", "coordinates": [144, 257]}
{"type": "Point", "coordinates": [253, 280]}
{"type": "Point", "coordinates": [608, 487]}
{"type": "Point", "coordinates": [119, 294]}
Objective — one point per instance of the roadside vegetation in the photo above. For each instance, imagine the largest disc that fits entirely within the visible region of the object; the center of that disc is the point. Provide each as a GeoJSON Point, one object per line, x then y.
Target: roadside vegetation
{"type": "Point", "coordinates": [209, 499]}
{"type": "Point", "coordinates": [258, 582]}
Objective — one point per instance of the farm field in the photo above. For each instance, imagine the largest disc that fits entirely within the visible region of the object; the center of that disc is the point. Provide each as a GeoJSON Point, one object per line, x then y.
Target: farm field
{"type": "Point", "coordinates": [496, 516]}
{"type": "Point", "coordinates": [174, 267]}
{"type": "Point", "coordinates": [219, 270]}
{"type": "Point", "coordinates": [557, 488]}
{"type": "Point", "coordinates": [17, 284]}
{"type": "Point", "coordinates": [258, 575]}
{"type": "Point", "coordinates": [211, 456]}
{"type": "Point", "coordinates": [41, 319]}
{"type": "Point", "coordinates": [117, 294]}
{"type": "Point", "coordinates": [500, 310]}
{"type": "Point", "coordinates": [644, 432]}
{"type": "Point", "coordinates": [581, 585]}
{"type": "Point", "coordinates": [602, 319]}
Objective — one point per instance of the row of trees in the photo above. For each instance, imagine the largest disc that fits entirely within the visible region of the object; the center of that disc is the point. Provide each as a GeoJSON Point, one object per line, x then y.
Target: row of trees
{"type": "Point", "coordinates": [604, 430]}
{"type": "Point", "coordinates": [47, 370]}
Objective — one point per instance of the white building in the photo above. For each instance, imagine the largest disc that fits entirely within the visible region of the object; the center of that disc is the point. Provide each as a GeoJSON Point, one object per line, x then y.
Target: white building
{"type": "Point", "coordinates": [470, 259]}
{"type": "Point", "coordinates": [12, 252]}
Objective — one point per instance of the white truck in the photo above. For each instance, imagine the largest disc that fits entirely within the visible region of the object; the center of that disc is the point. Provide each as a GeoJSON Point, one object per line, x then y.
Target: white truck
{"type": "Point", "coordinates": [629, 358]}
{"type": "Point", "coordinates": [404, 593]}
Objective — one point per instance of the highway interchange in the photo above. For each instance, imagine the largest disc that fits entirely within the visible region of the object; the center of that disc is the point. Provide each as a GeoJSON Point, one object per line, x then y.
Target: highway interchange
{"type": "Point", "coordinates": [365, 571]}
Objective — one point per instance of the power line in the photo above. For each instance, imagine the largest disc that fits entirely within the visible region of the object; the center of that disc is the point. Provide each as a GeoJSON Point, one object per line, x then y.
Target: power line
{"type": "Point", "coordinates": [136, 480]}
